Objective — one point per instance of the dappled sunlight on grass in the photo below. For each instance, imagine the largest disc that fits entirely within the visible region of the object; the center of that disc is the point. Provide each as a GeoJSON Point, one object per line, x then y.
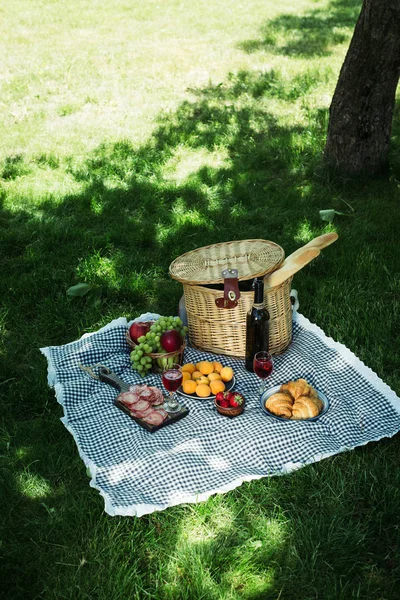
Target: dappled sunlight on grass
{"type": "Point", "coordinates": [130, 137]}
{"type": "Point", "coordinates": [183, 216]}
{"type": "Point", "coordinates": [305, 232]}
{"type": "Point", "coordinates": [37, 184]}
{"type": "Point", "coordinates": [316, 33]}
{"type": "Point", "coordinates": [187, 161]}
{"type": "Point", "coordinates": [22, 452]}
{"type": "Point", "coordinates": [98, 267]}
{"type": "Point", "coordinates": [219, 555]}
{"type": "Point", "coordinates": [33, 486]}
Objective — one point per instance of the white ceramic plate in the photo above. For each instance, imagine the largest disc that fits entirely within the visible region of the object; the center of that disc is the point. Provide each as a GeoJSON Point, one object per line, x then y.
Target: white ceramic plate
{"type": "Point", "coordinates": [228, 386]}
{"type": "Point", "coordinates": [264, 397]}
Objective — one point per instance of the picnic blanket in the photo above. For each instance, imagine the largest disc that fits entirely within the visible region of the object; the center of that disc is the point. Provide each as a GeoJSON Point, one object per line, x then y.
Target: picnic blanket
{"type": "Point", "coordinates": [138, 472]}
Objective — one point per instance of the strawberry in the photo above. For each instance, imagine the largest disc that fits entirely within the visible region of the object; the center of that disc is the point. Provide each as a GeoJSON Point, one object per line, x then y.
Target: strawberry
{"type": "Point", "coordinates": [236, 400]}
{"type": "Point", "coordinates": [224, 403]}
{"type": "Point", "coordinates": [219, 397]}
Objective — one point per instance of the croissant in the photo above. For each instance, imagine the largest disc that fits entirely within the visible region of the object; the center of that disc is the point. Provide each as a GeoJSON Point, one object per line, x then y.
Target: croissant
{"type": "Point", "coordinates": [296, 388]}
{"type": "Point", "coordinates": [280, 404]}
{"type": "Point", "coordinates": [286, 390]}
{"type": "Point", "coordinates": [304, 408]}
{"type": "Point", "coordinates": [318, 402]}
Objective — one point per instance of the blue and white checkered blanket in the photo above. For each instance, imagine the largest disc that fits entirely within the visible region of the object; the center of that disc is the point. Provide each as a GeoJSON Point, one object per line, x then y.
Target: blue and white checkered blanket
{"type": "Point", "coordinates": [205, 453]}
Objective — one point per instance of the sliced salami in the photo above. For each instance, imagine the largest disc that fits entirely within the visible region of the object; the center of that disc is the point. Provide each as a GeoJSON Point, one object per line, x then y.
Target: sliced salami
{"type": "Point", "coordinates": [141, 405]}
{"type": "Point", "coordinates": [153, 418]}
{"type": "Point", "coordinates": [143, 413]}
{"type": "Point", "coordinates": [128, 398]}
{"type": "Point", "coordinates": [157, 397]}
{"type": "Point", "coordinates": [162, 412]}
{"type": "Point", "coordinates": [144, 392]}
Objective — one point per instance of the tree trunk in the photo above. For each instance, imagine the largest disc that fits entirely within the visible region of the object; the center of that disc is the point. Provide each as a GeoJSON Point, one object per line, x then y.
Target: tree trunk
{"type": "Point", "coordinates": [361, 112]}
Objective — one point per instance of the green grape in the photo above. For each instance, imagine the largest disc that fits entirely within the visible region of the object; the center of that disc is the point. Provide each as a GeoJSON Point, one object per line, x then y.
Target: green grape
{"type": "Point", "coordinates": [142, 339]}
{"type": "Point", "coordinates": [139, 353]}
{"type": "Point", "coordinates": [136, 365]}
{"type": "Point", "coordinates": [148, 335]}
{"type": "Point", "coordinates": [153, 327]}
{"type": "Point", "coordinates": [147, 348]}
{"type": "Point", "coordinates": [149, 360]}
{"type": "Point", "coordinates": [157, 339]}
{"type": "Point", "coordinates": [143, 360]}
{"type": "Point", "coordinates": [178, 321]}
{"type": "Point", "coordinates": [140, 368]}
{"type": "Point", "coordinates": [158, 329]}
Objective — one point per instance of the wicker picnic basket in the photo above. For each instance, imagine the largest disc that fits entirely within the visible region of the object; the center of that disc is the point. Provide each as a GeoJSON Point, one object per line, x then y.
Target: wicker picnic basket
{"type": "Point", "coordinates": [220, 330]}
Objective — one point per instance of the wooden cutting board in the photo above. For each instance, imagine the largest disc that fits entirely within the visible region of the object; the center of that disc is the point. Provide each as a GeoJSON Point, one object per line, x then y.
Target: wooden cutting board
{"type": "Point", "coordinates": [109, 377]}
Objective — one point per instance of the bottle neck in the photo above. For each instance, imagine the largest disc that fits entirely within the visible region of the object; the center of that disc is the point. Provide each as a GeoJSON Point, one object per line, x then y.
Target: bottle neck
{"type": "Point", "coordinates": [258, 306]}
{"type": "Point", "coordinates": [258, 293]}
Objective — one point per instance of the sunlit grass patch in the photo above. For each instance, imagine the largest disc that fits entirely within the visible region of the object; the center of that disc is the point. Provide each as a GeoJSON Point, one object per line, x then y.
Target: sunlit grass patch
{"type": "Point", "coordinates": [220, 554]}
{"type": "Point", "coordinates": [33, 486]}
{"type": "Point", "coordinates": [41, 183]}
{"type": "Point", "coordinates": [188, 161]}
{"type": "Point", "coordinates": [100, 267]}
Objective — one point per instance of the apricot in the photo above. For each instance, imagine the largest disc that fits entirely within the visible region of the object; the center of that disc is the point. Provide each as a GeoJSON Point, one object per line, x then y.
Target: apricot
{"type": "Point", "coordinates": [217, 386]}
{"type": "Point", "coordinates": [204, 380]}
{"type": "Point", "coordinates": [186, 375]}
{"type": "Point", "coordinates": [214, 376]}
{"type": "Point", "coordinates": [203, 390]}
{"type": "Point", "coordinates": [226, 373]}
{"type": "Point", "coordinates": [205, 367]}
{"type": "Point", "coordinates": [217, 366]}
{"type": "Point", "coordinates": [189, 386]}
{"type": "Point", "coordinates": [188, 367]}
{"type": "Point", "coordinates": [197, 375]}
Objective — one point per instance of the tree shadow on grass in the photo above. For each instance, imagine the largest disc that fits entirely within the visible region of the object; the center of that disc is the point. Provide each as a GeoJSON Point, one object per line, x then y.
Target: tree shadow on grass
{"type": "Point", "coordinates": [135, 211]}
{"type": "Point", "coordinates": [308, 35]}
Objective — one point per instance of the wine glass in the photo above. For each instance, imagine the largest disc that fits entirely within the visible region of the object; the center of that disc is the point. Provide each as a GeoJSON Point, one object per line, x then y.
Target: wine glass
{"type": "Point", "coordinates": [172, 380]}
{"type": "Point", "coordinates": [263, 365]}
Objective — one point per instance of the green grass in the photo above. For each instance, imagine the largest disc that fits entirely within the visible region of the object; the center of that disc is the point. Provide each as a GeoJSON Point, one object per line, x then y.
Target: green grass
{"type": "Point", "coordinates": [134, 132]}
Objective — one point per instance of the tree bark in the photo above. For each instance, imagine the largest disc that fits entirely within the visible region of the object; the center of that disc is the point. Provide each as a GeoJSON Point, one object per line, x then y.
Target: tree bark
{"type": "Point", "coordinates": [361, 111]}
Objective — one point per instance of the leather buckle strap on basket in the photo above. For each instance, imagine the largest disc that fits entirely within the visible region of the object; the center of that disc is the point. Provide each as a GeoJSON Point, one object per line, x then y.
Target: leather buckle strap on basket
{"type": "Point", "coordinates": [223, 331]}
{"type": "Point", "coordinates": [231, 289]}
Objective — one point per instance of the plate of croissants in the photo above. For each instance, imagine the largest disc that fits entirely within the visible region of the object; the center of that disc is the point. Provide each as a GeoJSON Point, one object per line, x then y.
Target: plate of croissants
{"type": "Point", "coordinates": [296, 400]}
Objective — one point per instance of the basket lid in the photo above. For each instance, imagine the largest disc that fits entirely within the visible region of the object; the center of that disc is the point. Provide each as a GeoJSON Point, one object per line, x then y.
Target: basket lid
{"type": "Point", "coordinates": [252, 258]}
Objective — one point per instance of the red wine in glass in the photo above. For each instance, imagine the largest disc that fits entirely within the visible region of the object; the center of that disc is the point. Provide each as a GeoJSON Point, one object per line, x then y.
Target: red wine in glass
{"type": "Point", "coordinates": [172, 380]}
{"type": "Point", "coordinates": [263, 365]}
